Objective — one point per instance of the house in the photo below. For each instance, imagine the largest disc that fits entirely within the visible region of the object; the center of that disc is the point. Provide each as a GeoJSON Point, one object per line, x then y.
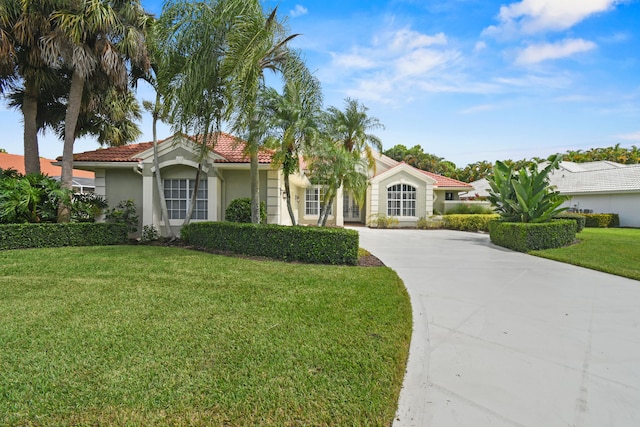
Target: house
{"type": "Point", "coordinates": [127, 172]}
{"type": "Point", "coordinates": [83, 181]}
{"type": "Point", "coordinates": [594, 187]}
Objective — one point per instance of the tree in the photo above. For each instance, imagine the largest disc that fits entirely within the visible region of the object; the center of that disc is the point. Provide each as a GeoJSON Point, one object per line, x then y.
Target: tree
{"type": "Point", "coordinates": [294, 117]}
{"type": "Point", "coordinates": [89, 36]}
{"type": "Point", "coordinates": [525, 195]}
{"type": "Point", "coordinates": [255, 44]}
{"type": "Point", "coordinates": [22, 68]}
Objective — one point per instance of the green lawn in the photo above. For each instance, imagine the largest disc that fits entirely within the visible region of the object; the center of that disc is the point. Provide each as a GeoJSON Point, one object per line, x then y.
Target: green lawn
{"type": "Point", "coordinates": [612, 250]}
{"type": "Point", "coordinates": [141, 335]}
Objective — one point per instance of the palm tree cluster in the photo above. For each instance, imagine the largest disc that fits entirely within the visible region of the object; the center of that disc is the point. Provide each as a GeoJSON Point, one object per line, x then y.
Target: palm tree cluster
{"type": "Point", "coordinates": [72, 67]}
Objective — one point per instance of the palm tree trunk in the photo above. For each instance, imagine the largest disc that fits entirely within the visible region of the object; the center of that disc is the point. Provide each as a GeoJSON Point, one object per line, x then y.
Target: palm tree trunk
{"type": "Point", "coordinates": [255, 187]}
{"type": "Point", "coordinates": [194, 195]}
{"type": "Point", "coordinates": [70, 122]}
{"type": "Point", "coordinates": [156, 165]}
{"type": "Point", "coordinates": [29, 113]}
{"type": "Point", "coordinates": [287, 191]}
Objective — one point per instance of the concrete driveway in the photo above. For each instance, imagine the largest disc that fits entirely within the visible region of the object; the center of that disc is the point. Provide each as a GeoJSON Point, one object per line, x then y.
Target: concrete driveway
{"type": "Point", "coordinates": [506, 339]}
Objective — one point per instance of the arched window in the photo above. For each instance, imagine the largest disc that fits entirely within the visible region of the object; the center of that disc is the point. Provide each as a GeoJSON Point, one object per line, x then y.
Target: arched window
{"type": "Point", "coordinates": [401, 200]}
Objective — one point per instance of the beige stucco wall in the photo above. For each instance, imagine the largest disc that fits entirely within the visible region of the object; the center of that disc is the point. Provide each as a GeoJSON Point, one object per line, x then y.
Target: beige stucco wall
{"type": "Point", "coordinates": [236, 184]}
{"type": "Point", "coordinates": [378, 193]}
{"type": "Point", "coordinates": [440, 198]}
{"type": "Point", "coordinates": [122, 185]}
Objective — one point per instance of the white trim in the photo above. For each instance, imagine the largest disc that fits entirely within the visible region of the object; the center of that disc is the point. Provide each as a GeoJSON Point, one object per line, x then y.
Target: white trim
{"type": "Point", "coordinates": [180, 161]}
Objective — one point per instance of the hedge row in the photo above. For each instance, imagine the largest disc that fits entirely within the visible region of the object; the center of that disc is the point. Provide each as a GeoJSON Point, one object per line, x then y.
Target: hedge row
{"type": "Point", "coordinates": [306, 244]}
{"type": "Point", "coordinates": [602, 220]}
{"type": "Point", "coordinates": [525, 237]}
{"type": "Point", "coordinates": [469, 222]}
{"type": "Point", "coordinates": [580, 219]}
{"type": "Point", "coordinates": [18, 236]}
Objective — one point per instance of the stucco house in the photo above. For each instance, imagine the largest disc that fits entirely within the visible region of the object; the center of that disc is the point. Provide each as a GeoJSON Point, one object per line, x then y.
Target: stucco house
{"type": "Point", "coordinates": [593, 187]}
{"type": "Point", "coordinates": [396, 189]}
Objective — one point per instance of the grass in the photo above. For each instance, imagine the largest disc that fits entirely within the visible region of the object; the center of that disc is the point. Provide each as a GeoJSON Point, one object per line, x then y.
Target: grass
{"type": "Point", "coordinates": [612, 250]}
{"type": "Point", "coordinates": [142, 335]}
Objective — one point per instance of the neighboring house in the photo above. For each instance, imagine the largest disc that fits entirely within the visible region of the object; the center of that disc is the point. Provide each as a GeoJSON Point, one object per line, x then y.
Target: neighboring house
{"type": "Point", "coordinates": [83, 181]}
{"type": "Point", "coordinates": [127, 172]}
{"type": "Point", "coordinates": [594, 187]}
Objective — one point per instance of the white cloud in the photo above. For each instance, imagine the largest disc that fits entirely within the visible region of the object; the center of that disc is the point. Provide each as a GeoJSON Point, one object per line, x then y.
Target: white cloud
{"type": "Point", "coordinates": [533, 16]}
{"type": "Point", "coordinates": [479, 108]}
{"type": "Point", "coordinates": [480, 46]}
{"type": "Point", "coordinates": [299, 10]}
{"type": "Point", "coordinates": [536, 53]}
{"type": "Point", "coordinates": [407, 39]}
{"type": "Point", "coordinates": [634, 136]}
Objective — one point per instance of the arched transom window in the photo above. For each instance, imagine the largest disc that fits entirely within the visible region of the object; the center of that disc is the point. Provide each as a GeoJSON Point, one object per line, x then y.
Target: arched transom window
{"type": "Point", "coordinates": [401, 200]}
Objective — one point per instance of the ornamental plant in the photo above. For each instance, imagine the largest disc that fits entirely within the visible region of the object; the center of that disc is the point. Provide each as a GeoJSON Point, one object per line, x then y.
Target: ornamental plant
{"type": "Point", "coordinates": [525, 195]}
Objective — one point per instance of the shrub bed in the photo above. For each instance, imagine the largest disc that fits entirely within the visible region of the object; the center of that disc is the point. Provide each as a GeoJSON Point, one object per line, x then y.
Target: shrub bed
{"type": "Point", "coordinates": [19, 236]}
{"type": "Point", "coordinates": [525, 237]}
{"type": "Point", "coordinates": [578, 218]}
{"type": "Point", "coordinates": [469, 222]}
{"type": "Point", "coordinates": [306, 244]}
{"type": "Point", "coordinates": [602, 220]}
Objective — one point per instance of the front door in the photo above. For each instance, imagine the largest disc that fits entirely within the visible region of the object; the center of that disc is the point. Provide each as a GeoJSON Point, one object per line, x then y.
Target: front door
{"type": "Point", "coordinates": [350, 209]}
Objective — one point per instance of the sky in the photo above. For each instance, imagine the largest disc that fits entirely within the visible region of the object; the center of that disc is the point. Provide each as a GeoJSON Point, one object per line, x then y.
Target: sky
{"type": "Point", "coordinates": [468, 80]}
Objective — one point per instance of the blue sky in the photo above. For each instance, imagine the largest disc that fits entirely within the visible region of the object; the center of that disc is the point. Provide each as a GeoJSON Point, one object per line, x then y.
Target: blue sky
{"type": "Point", "coordinates": [468, 80]}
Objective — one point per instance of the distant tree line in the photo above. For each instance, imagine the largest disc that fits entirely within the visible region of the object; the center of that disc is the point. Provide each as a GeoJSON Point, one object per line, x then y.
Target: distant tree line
{"type": "Point", "coordinates": [417, 158]}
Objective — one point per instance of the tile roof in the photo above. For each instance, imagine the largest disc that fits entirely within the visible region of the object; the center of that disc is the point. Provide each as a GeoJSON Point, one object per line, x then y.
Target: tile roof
{"type": "Point", "coordinates": [227, 146]}
{"type": "Point", "coordinates": [615, 179]}
{"type": "Point", "coordinates": [441, 181]}
{"type": "Point", "coordinates": [16, 161]}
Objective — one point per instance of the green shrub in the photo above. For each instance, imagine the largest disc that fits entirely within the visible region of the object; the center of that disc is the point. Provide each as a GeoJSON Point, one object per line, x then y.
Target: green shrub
{"type": "Point", "coordinates": [469, 209]}
{"type": "Point", "coordinates": [578, 218]}
{"type": "Point", "coordinates": [239, 210]}
{"type": "Point", "coordinates": [307, 244]}
{"type": "Point", "coordinates": [18, 236]}
{"type": "Point", "coordinates": [124, 213]}
{"type": "Point", "coordinates": [429, 223]}
{"type": "Point", "coordinates": [468, 222]}
{"type": "Point", "coordinates": [525, 237]}
{"type": "Point", "coordinates": [602, 220]}
{"type": "Point", "coordinates": [149, 234]}
{"type": "Point", "coordinates": [381, 220]}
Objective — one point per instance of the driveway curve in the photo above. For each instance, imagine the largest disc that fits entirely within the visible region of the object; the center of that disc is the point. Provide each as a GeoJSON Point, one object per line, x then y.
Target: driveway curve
{"type": "Point", "coordinates": [507, 339]}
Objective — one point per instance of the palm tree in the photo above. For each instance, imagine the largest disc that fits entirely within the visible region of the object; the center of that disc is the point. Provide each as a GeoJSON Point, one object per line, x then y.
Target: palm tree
{"type": "Point", "coordinates": [22, 68]}
{"type": "Point", "coordinates": [294, 116]}
{"type": "Point", "coordinates": [255, 44]}
{"type": "Point", "coordinates": [87, 36]}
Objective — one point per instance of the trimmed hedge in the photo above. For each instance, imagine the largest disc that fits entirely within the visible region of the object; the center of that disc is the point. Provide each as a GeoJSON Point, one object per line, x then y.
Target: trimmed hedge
{"type": "Point", "coordinates": [469, 222]}
{"type": "Point", "coordinates": [307, 244]}
{"type": "Point", "coordinates": [578, 218]}
{"type": "Point", "coordinates": [525, 237]}
{"type": "Point", "coordinates": [19, 236]}
{"type": "Point", "coordinates": [602, 220]}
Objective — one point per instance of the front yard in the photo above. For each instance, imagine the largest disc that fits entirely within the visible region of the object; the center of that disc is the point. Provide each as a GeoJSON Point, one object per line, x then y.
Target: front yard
{"type": "Point", "coordinates": [144, 335]}
{"type": "Point", "coordinates": [612, 250]}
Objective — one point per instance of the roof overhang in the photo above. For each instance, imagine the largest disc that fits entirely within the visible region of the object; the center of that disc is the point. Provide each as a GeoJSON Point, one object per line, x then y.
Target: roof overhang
{"type": "Point", "coordinates": [92, 166]}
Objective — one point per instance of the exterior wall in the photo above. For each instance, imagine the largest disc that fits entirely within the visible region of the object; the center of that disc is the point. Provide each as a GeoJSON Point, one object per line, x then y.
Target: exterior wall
{"type": "Point", "coordinates": [303, 219]}
{"type": "Point", "coordinates": [424, 197]}
{"type": "Point", "coordinates": [237, 184]}
{"type": "Point", "coordinates": [124, 184]}
{"type": "Point", "coordinates": [626, 205]}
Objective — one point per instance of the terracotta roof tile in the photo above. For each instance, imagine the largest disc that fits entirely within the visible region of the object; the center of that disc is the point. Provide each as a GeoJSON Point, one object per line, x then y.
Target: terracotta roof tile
{"type": "Point", "coordinates": [16, 161]}
{"type": "Point", "coordinates": [443, 181]}
{"type": "Point", "coordinates": [227, 146]}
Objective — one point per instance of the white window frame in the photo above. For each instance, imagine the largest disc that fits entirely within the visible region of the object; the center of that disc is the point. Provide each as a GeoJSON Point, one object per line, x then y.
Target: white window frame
{"type": "Point", "coordinates": [177, 193]}
{"type": "Point", "coordinates": [313, 199]}
{"type": "Point", "coordinates": [405, 201]}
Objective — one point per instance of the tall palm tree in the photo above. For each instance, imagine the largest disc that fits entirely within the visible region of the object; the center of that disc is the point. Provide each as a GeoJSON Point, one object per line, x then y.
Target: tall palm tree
{"type": "Point", "coordinates": [86, 36]}
{"type": "Point", "coordinates": [255, 44]}
{"type": "Point", "coordinates": [295, 117]}
{"type": "Point", "coordinates": [22, 68]}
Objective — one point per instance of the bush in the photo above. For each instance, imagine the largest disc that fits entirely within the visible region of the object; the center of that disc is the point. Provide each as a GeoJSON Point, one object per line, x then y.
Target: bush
{"type": "Point", "coordinates": [18, 236]}
{"type": "Point", "coordinates": [467, 222]}
{"type": "Point", "coordinates": [578, 218]}
{"type": "Point", "coordinates": [307, 244]}
{"type": "Point", "coordinates": [124, 213]}
{"type": "Point", "coordinates": [602, 220]}
{"type": "Point", "coordinates": [525, 237]}
{"type": "Point", "coordinates": [239, 210]}
{"type": "Point", "coordinates": [380, 220]}
{"type": "Point", "coordinates": [429, 223]}
{"type": "Point", "coordinates": [469, 209]}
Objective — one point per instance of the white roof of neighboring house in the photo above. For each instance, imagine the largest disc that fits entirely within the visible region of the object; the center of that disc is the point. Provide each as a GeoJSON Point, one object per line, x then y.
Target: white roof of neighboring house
{"type": "Point", "coordinates": [580, 178]}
